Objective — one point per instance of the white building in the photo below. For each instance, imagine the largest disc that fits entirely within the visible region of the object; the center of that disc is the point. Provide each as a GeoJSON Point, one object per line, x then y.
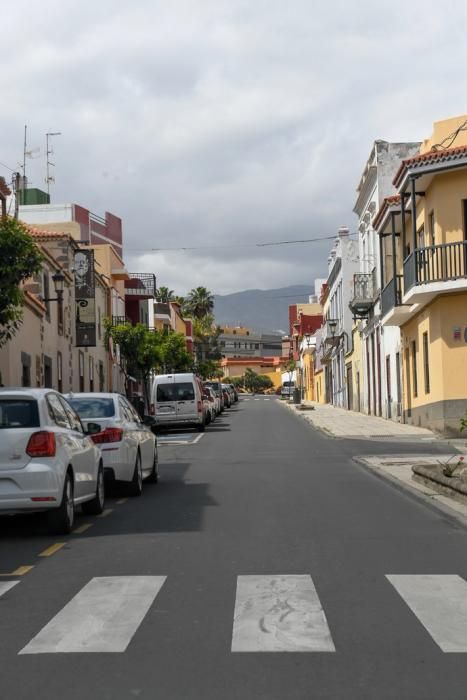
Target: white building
{"type": "Point", "coordinates": [337, 329]}
{"type": "Point", "coordinates": [380, 391]}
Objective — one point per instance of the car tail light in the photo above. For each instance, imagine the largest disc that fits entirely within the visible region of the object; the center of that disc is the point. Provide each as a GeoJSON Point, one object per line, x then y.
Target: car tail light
{"type": "Point", "coordinates": [200, 406]}
{"type": "Point", "coordinates": [108, 435]}
{"type": "Point", "coordinates": [152, 410]}
{"type": "Point", "coordinates": [41, 444]}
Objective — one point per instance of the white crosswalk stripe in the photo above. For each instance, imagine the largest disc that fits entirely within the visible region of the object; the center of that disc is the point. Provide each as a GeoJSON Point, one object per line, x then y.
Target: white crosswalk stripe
{"type": "Point", "coordinates": [440, 603]}
{"type": "Point", "coordinates": [6, 586]}
{"type": "Point", "coordinates": [273, 613]}
{"type": "Point", "coordinates": [279, 613]}
{"type": "Point", "coordinates": [102, 617]}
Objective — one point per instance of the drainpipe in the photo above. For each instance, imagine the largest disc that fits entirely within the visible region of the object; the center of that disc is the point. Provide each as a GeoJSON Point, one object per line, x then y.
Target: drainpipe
{"type": "Point", "coordinates": [381, 261]}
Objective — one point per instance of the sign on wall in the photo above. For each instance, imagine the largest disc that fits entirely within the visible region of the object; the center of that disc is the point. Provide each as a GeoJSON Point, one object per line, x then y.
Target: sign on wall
{"type": "Point", "coordinates": [85, 298]}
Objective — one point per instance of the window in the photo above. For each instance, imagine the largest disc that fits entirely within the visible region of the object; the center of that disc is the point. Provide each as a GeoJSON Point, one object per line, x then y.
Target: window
{"type": "Point", "coordinates": [426, 363]}
{"type": "Point", "coordinates": [421, 237]}
{"type": "Point", "coordinates": [48, 382]}
{"type": "Point", "coordinates": [99, 323]}
{"type": "Point", "coordinates": [125, 413]}
{"type": "Point", "coordinates": [72, 416]}
{"type": "Point", "coordinates": [414, 368]}
{"type": "Point", "coordinates": [18, 413]}
{"type": "Point", "coordinates": [57, 411]}
{"type": "Point", "coordinates": [175, 392]}
{"type": "Point", "coordinates": [431, 228]}
{"type": "Point", "coordinates": [25, 369]}
{"type": "Point", "coordinates": [88, 408]}
{"type": "Point", "coordinates": [91, 375]}
{"type": "Point", "coordinates": [59, 372]}
{"type": "Point", "coordinates": [101, 376]}
{"type": "Point", "coordinates": [81, 371]}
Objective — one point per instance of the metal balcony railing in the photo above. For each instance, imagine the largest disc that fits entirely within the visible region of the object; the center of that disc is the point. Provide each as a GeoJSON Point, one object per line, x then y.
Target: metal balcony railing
{"type": "Point", "coordinates": [391, 295]}
{"type": "Point", "coordinates": [435, 263]}
{"type": "Point", "coordinates": [364, 293]}
{"type": "Point", "coordinates": [141, 285]}
{"type": "Point", "coordinates": [120, 321]}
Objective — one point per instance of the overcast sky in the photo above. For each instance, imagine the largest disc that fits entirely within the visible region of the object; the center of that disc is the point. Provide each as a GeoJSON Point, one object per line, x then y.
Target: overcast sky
{"type": "Point", "coordinates": [223, 122]}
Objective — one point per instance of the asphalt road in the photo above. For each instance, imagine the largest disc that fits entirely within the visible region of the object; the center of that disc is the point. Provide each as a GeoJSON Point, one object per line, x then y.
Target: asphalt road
{"type": "Point", "coordinates": [263, 520]}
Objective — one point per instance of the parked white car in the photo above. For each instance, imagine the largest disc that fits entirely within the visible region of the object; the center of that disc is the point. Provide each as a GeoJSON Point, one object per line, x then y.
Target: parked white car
{"type": "Point", "coordinates": [127, 445]}
{"type": "Point", "coordinates": [47, 461]}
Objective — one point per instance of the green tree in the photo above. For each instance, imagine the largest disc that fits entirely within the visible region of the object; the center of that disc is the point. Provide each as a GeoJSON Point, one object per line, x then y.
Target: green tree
{"type": "Point", "coordinates": [164, 295]}
{"type": "Point", "coordinates": [199, 303]}
{"type": "Point", "coordinates": [20, 258]}
{"type": "Point", "coordinates": [140, 349]}
{"type": "Point", "coordinates": [206, 339]}
{"type": "Point", "coordinates": [210, 369]}
{"type": "Point", "coordinates": [175, 356]}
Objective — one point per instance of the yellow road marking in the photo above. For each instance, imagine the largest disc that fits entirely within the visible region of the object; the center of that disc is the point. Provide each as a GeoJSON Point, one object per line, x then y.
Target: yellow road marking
{"type": "Point", "coordinates": [82, 528]}
{"type": "Point", "coordinates": [51, 550]}
{"type": "Point", "coordinates": [106, 512]}
{"type": "Point", "coordinates": [21, 571]}
{"type": "Point", "coordinates": [121, 501]}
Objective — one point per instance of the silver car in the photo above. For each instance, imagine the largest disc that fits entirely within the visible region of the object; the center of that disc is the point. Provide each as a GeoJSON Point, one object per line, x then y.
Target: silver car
{"type": "Point", "coordinates": [47, 461]}
{"type": "Point", "coordinates": [128, 446]}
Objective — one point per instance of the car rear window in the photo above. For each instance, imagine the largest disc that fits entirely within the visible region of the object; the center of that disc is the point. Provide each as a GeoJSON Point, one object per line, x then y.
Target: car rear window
{"type": "Point", "coordinates": [19, 413]}
{"type": "Point", "coordinates": [93, 407]}
{"type": "Point", "coordinates": [182, 391]}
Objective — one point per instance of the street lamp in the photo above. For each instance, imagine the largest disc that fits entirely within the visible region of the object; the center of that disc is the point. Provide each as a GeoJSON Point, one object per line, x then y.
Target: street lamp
{"type": "Point", "coordinates": [59, 285]}
{"type": "Point", "coordinates": [332, 323]}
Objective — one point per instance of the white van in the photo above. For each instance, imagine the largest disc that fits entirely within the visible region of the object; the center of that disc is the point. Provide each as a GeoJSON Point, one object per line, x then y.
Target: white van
{"type": "Point", "coordinates": [177, 400]}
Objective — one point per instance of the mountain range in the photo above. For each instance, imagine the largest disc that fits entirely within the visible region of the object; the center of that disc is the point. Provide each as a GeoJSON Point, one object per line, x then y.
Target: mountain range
{"type": "Point", "coordinates": [262, 310]}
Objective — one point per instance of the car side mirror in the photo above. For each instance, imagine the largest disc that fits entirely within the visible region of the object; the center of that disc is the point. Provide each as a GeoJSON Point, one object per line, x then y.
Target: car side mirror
{"type": "Point", "coordinates": [93, 428]}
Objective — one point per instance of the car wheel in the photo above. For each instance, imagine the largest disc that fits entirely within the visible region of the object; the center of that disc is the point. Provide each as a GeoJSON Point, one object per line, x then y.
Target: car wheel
{"type": "Point", "coordinates": [153, 477]}
{"type": "Point", "coordinates": [135, 487]}
{"type": "Point", "coordinates": [96, 506]}
{"type": "Point", "coordinates": [61, 519]}
{"type": "Point", "coordinates": [201, 427]}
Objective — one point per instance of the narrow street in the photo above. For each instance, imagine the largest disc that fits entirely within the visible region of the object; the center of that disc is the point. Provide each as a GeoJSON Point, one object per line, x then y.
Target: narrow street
{"type": "Point", "coordinates": [266, 564]}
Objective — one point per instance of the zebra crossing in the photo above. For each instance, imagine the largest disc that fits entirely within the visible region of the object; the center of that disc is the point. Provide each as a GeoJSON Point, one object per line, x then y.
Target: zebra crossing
{"type": "Point", "coordinates": [275, 613]}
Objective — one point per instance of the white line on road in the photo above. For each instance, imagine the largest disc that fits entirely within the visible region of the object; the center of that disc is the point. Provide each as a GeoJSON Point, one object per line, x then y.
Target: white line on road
{"type": "Point", "coordinates": [440, 603]}
{"type": "Point", "coordinates": [198, 439]}
{"type": "Point", "coordinates": [102, 617]}
{"type": "Point", "coordinates": [279, 613]}
{"type": "Point", "coordinates": [6, 586]}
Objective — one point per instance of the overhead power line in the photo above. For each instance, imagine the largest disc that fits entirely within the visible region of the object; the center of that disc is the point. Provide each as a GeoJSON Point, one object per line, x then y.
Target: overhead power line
{"type": "Point", "coordinates": [237, 245]}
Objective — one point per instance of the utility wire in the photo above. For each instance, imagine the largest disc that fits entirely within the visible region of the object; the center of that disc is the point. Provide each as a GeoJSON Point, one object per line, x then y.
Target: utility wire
{"type": "Point", "coordinates": [238, 245]}
{"type": "Point", "coordinates": [7, 167]}
{"type": "Point", "coordinates": [449, 140]}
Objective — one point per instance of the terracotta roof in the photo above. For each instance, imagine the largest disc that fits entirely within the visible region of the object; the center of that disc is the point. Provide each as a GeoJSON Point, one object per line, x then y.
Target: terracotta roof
{"type": "Point", "coordinates": [388, 202]}
{"type": "Point", "coordinates": [434, 156]}
{"type": "Point", "coordinates": [46, 235]}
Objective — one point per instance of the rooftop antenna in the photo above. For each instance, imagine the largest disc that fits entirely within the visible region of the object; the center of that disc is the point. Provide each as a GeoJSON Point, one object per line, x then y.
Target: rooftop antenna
{"type": "Point", "coordinates": [49, 151]}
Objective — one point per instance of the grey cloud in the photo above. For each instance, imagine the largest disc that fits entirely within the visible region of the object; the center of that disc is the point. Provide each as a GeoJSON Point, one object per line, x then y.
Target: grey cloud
{"type": "Point", "coordinates": [224, 121]}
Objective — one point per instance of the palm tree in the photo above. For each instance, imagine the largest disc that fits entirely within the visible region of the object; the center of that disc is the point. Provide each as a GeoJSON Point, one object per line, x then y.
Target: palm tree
{"type": "Point", "coordinates": [164, 295]}
{"type": "Point", "coordinates": [199, 302]}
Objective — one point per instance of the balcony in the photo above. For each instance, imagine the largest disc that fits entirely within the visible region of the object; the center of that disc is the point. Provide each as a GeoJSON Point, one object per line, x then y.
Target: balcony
{"type": "Point", "coordinates": [364, 294]}
{"type": "Point", "coordinates": [141, 285]}
{"type": "Point", "coordinates": [331, 335]}
{"type": "Point", "coordinates": [434, 270]}
{"type": "Point", "coordinates": [121, 321]}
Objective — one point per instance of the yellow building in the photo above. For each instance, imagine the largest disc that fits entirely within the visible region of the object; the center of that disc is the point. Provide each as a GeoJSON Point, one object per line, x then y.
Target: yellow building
{"type": "Point", "coordinates": [423, 239]}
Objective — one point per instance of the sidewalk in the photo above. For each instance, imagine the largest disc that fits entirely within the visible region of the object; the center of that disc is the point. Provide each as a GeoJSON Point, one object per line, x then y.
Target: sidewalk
{"type": "Point", "coordinates": [349, 424]}
{"type": "Point", "coordinates": [398, 469]}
